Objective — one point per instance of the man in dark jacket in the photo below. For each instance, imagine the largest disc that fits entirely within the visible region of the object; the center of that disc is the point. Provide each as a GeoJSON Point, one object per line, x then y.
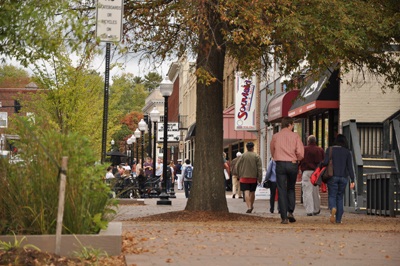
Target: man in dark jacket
{"type": "Point", "coordinates": [313, 155]}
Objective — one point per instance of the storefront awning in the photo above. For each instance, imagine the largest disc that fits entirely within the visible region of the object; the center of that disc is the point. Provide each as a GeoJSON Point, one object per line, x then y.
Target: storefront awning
{"type": "Point", "coordinates": [280, 104]}
{"type": "Point", "coordinates": [318, 94]}
{"type": "Point", "coordinates": [230, 134]}
{"type": "Point", "coordinates": [191, 132]}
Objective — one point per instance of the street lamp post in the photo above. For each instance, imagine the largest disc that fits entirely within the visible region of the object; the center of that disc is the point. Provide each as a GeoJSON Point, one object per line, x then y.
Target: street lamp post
{"type": "Point", "coordinates": [130, 143]}
{"type": "Point", "coordinates": [155, 118]}
{"type": "Point", "coordinates": [112, 144]}
{"type": "Point", "coordinates": [142, 127]}
{"type": "Point", "coordinates": [137, 135]}
{"type": "Point", "coordinates": [172, 192]}
{"type": "Point", "coordinates": [133, 148]}
{"type": "Point", "coordinates": [166, 88]}
{"type": "Point", "coordinates": [129, 151]}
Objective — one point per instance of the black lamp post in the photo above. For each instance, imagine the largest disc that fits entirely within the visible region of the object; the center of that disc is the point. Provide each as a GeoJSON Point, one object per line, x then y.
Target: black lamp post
{"type": "Point", "coordinates": [137, 136]}
{"type": "Point", "coordinates": [112, 144]}
{"type": "Point", "coordinates": [142, 127]}
{"type": "Point", "coordinates": [166, 88]}
{"type": "Point", "coordinates": [133, 148]}
{"type": "Point", "coordinates": [130, 142]}
{"type": "Point", "coordinates": [155, 118]}
{"type": "Point", "coordinates": [172, 192]}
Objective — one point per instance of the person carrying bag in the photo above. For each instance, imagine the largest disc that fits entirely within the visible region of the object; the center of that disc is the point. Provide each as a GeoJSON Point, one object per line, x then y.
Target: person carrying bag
{"type": "Point", "coordinates": [342, 165]}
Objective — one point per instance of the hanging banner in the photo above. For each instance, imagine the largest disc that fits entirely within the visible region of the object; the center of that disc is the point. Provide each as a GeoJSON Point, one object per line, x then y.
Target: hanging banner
{"type": "Point", "coordinates": [245, 103]}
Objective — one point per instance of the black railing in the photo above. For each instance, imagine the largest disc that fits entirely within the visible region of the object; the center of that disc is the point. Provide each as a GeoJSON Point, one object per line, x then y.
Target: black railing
{"type": "Point", "coordinates": [371, 139]}
{"type": "Point", "coordinates": [395, 137]}
{"type": "Point", "coordinates": [383, 194]}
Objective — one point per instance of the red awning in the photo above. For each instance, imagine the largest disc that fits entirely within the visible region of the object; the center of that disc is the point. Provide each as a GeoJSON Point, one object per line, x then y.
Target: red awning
{"type": "Point", "coordinates": [229, 127]}
{"type": "Point", "coordinates": [279, 106]}
{"type": "Point", "coordinates": [314, 105]}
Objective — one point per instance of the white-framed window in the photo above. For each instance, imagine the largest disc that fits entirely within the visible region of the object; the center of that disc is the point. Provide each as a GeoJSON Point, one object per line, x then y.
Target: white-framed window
{"type": "Point", "coordinates": [3, 119]}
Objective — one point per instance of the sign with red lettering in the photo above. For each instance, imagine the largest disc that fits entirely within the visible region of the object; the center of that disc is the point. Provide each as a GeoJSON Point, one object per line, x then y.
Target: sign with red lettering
{"type": "Point", "coordinates": [245, 103]}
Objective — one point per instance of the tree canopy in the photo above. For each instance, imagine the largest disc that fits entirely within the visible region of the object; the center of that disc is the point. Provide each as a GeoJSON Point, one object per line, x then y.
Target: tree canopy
{"type": "Point", "coordinates": [308, 33]}
{"type": "Point", "coordinates": [13, 77]}
{"type": "Point", "coordinates": [313, 34]}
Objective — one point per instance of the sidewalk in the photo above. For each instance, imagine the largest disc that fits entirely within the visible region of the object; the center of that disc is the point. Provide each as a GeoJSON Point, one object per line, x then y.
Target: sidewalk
{"type": "Point", "coordinates": [312, 240]}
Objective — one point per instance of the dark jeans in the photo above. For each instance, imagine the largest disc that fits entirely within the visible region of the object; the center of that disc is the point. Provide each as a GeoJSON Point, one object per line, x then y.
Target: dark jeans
{"type": "Point", "coordinates": [286, 174]}
{"type": "Point", "coordinates": [272, 196]}
{"type": "Point", "coordinates": [168, 188]}
{"type": "Point", "coordinates": [188, 186]}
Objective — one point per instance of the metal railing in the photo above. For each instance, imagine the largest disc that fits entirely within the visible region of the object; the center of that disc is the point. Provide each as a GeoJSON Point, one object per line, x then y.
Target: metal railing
{"type": "Point", "coordinates": [395, 137]}
{"type": "Point", "coordinates": [371, 139]}
{"type": "Point", "coordinates": [383, 194]}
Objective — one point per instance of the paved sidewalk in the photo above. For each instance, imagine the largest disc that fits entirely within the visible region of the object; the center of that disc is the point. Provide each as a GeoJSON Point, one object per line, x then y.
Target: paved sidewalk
{"type": "Point", "coordinates": [309, 241]}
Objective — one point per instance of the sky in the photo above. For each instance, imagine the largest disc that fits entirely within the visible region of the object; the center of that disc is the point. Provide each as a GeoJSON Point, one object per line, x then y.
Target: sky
{"type": "Point", "coordinates": [123, 65]}
{"type": "Point", "coordinates": [129, 65]}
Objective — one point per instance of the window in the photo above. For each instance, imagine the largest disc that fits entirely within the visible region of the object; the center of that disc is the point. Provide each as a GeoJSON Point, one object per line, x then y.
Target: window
{"type": "Point", "coordinates": [3, 119]}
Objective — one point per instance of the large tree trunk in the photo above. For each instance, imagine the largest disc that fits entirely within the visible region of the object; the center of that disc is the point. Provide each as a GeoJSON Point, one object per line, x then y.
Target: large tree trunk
{"type": "Point", "coordinates": [208, 191]}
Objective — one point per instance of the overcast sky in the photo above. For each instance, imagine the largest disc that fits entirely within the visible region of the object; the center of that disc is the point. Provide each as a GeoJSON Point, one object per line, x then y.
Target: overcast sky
{"type": "Point", "coordinates": [125, 65]}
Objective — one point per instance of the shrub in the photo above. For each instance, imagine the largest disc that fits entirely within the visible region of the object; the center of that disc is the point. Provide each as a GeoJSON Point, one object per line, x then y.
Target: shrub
{"type": "Point", "coordinates": [29, 189]}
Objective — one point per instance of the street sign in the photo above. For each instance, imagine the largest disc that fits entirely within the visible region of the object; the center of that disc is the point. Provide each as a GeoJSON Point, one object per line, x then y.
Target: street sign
{"type": "Point", "coordinates": [173, 132]}
{"type": "Point", "coordinates": [109, 20]}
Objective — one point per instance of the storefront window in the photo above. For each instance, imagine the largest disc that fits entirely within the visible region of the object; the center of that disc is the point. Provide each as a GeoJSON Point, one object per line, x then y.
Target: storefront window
{"type": "Point", "coordinates": [298, 128]}
{"type": "Point", "coordinates": [319, 137]}
{"type": "Point", "coordinates": [326, 131]}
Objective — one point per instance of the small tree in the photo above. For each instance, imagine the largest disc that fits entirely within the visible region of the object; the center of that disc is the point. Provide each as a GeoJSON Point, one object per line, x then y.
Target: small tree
{"type": "Point", "coordinates": [29, 190]}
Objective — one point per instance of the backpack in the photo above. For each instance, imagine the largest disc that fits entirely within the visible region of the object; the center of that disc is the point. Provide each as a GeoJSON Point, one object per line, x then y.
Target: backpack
{"type": "Point", "coordinates": [188, 172]}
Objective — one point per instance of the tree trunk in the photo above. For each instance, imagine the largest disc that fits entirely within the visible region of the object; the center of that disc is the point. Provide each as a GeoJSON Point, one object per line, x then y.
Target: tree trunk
{"type": "Point", "coordinates": [208, 190]}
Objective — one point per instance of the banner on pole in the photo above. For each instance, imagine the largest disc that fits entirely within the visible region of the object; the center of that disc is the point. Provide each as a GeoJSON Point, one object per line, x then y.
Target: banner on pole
{"type": "Point", "coordinates": [245, 103]}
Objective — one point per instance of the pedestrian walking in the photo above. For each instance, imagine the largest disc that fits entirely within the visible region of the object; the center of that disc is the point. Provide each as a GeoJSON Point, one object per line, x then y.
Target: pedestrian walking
{"type": "Point", "coordinates": [178, 171]}
{"type": "Point", "coordinates": [148, 167]}
{"type": "Point", "coordinates": [313, 156]}
{"type": "Point", "coordinates": [287, 151]}
{"type": "Point", "coordinates": [159, 169]}
{"type": "Point", "coordinates": [342, 168]}
{"type": "Point", "coordinates": [187, 177]}
{"type": "Point", "coordinates": [227, 171]}
{"type": "Point", "coordinates": [235, 178]}
{"type": "Point", "coordinates": [270, 176]}
{"type": "Point", "coordinates": [171, 177]}
{"type": "Point", "coordinates": [249, 169]}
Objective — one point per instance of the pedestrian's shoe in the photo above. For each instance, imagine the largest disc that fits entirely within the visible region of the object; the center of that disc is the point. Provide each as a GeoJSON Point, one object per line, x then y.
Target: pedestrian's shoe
{"type": "Point", "coordinates": [271, 210]}
{"type": "Point", "coordinates": [285, 221]}
{"type": "Point", "coordinates": [309, 214]}
{"type": "Point", "coordinates": [333, 215]}
{"type": "Point", "coordinates": [316, 213]}
{"type": "Point", "coordinates": [291, 218]}
{"type": "Point", "coordinates": [249, 210]}
{"type": "Point", "coordinates": [233, 196]}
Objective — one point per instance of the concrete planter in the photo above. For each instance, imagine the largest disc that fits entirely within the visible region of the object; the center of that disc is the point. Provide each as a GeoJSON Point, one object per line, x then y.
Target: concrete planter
{"type": "Point", "coordinates": [109, 240]}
